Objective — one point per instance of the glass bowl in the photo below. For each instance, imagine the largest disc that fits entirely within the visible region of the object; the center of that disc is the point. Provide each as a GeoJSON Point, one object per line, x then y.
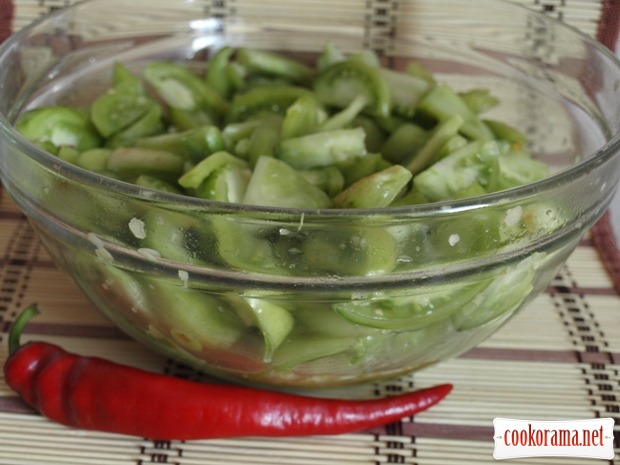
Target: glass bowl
{"type": "Point", "coordinates": [311, 299]}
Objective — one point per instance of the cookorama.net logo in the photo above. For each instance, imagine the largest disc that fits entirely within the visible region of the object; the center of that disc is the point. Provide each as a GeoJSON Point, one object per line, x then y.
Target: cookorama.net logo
{"type": "Point", "coordinates": [592, 439]}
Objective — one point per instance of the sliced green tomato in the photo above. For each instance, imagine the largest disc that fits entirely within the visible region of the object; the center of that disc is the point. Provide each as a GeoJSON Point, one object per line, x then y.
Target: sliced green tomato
{"type": "Point", "coordinates": [300, 349]}
{"type": "Point", "coordinates": [158, 184]}
{"type": "Point", "coordinates": [274, 64]}
{"type": "Point", "coordinates": [329, 179]}
{"type": "Point", "coordinates": [274, 183]}
{"type": "Point", "coordinates": [94, 159]}
{"type": "Point", "coordinates": [196, 320]}
{"type": "Point", "coordinates": [504, 131]}
{"type": "Point", "coordinates": [180, 88]}
{"type": "Point", "coordinates": [233, 133]}
{"type": "Point", "coordinates": [517, 169]}
{"type": "Point", "coordinates": [406, 90]}
{"type": "Point", "coordinates": [329, 56]}
{"type": "Point", "coordinates": [320, 318]}
{"type": "Point", "coordinates": [193, 178]}
{"type": "Point", "coordinates": [375, 136]}
{"type": "Point", "coordinates": [358, 168]}
{"type": "Point", "coordinates": [452, 145]}
{"type": "Point", "coordinates": [350, 251]}
{"type": "Point", "coordinates": [165, 234]}
{"type": "Point", "coordinates": [415, 68]}
{"type": "Point", "coordinates": [67, 153]}
{"type": "Point", "coordinates": [442, 102]}
{"type": "Point", "coordinates": [244, 246]}
{"type": "Point", "coordinates": [479, 100]}
{"type": "Point", "coordinates": [264, 99]}
{"type": "Point", "coordinates": [184, 120]}
{"type": "Point", "coordinates": [345, 118]}
{"type": "Point", "coordinates": [265, 139]}
{"type": "Point", "coordinates": [405, 141]}
{"type": "Point", "coordinates": [367, 57]}
{"type": "Point", "coordinates": [193, 144]}
{"type": "Point", "coordinates": [323, 148]}
{"type": "Point", "coordinates": [130, 161]}
{"type": "Point", "coordinates": [457, 171]}
{"type": "Point", "coordinates": [124, 79]}
{"type": "Point", "coordinates": [467, 235]}
{"type": "Point", "coordinates": [116, 110]}
{"type": "Point", "coordinates": [375, 191]}
{"type": "Point", "coordinates": [273, 321]}
{"type": "Point", "coordinates": [505, 293]}
{"type": "Point", "coordinates": [304, 116]}
{"type": "Point", "coordinates": [150, 123]}
{"type": "Point", "coordinates": [341, 83]}
{"type": "Point", "coordinates": [226, 184]}
{"type": "Point", "coordinates": [412, 197]}
{"type": "Point", "coordinates": [437, 139]}
{"type": "Point", "coordinates": [59, 126]}
{"type": "Point", "coordinates": [217, 76]}
{"type": "Point", "coordinates": [412, 312]}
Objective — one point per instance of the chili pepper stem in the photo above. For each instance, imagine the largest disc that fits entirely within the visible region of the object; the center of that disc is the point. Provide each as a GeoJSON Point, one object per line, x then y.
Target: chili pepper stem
{"type": "Point", "coordinates": [18, 327]}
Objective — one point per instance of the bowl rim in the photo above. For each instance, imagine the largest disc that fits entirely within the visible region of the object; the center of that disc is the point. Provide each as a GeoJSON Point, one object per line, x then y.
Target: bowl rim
{"type": "Point", "coordinates": [75, 173]}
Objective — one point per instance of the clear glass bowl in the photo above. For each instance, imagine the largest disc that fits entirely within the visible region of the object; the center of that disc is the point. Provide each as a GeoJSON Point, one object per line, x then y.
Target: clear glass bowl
{"type": "Point", "coordinates": [303, 299]}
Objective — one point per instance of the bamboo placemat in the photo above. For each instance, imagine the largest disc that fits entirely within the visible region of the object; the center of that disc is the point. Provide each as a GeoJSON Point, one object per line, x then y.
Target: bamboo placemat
{"type": "Point", "coordinates": [558, 359]}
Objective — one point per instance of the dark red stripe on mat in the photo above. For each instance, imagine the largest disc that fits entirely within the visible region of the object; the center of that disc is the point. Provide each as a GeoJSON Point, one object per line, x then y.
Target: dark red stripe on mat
{"type": "Point", "coordinates": [533, 355]}
{"type": "Point", "coordinates": [97, 332]}
{"type": "Point", "coordinates": [7, 10]}
{"type": "Point", "coordinates": [490, 353]}
{"type": "Point", "coordinates": [609, 24]}
{"type": "Point", "coordinates": [14, 405]}
{"type": "Point", "coordinates": [11, 215]}
{"type": "Point", "coordinates": [452, 432]}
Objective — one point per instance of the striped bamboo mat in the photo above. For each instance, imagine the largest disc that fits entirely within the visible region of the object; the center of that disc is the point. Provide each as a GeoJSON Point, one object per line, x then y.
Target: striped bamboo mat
{"type": "Point", "coordinates": [558, 359]}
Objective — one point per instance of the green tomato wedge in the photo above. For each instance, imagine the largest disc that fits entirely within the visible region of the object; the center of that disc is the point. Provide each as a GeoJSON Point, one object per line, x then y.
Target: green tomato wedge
{"type": "Point", "coordinates": [264, 99]}
{"type": "Point", "coordinates": [406, 90]}
{"type": "Point", "coordinates": [375, 191]}
{"type": "Point", "coordinates": [170, 235]}
{"type": "Point", "coordinates": [442, 102]}
{"type": "Point", "coordinates": [273, 321]}
{"type": "Point", "coordinates": [158, 184]}
{"type": "Point", "coordinates": [134, 161]}
{"type": "Point", "coordinates": [403, 143]}
{"type": "Point", "coordinates": [150, 123]}
{"type": "Point", "coordinates": [276, 184]}
{"type": "Point", "coordinates": [59, 126]}
{"type": "Point", "coordinates": [506, 292]}
{"type": "Point", "coordinates": [304, 116]}
{"type": "Point", "coordinates": [182, 89]}
{"type": "Point", "coordinates": [406, 313]}
{"type": "Point", "coordinates": [244, 246]}
{"type": "Point", "coordinates": [94, 159]}
{"type": "Point", "coordinates": [341, 83]}
{"type": "Point", "coordinates": [193, 178]}
{"type": "Point", "coordinates": [328, 179]}
{"type": "Point", "coordinates": [323, 148]}
{"type": "Point", "coordinates": [117, 110]}
{"type": "Point", "coordinates": [350, 251]}
{"type": "Point", "coordinates": [228, 183]}
{"type": "Point", "coordinates": [458, 171]}
{"type": "Point", "coordinates": [197, 320]}
{"type": "Point", "coordinates": [217, 75]}
{"type": "Point", "coordinates": [274, 64]}
{"type": "Point", "coordinates": [300, 349]}
{"type": "Point", "coordinates": [193, 144]}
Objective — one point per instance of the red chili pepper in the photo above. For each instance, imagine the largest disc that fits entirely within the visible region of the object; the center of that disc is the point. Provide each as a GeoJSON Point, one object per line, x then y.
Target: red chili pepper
{"type": "Point", "coordinates": [95, 394]}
